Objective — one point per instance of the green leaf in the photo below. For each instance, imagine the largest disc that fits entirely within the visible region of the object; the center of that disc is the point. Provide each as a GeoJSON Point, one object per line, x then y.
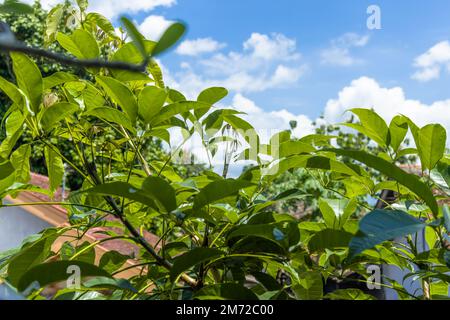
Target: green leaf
{"type": "Point", "coordinates": [410, 181]}
{"type": "Point", "coordinates": [382, 225]}
{"type": "Point", "coordinates": [109, 283]}
{"type": "Point", "coordinates": [136, 36]}
{"type": "Point", "coordinates": [226, 291]}
{"type": "Point", "coordinates": [336, 211]}
{"type": "Point", "coordinates": [120, 94]}
{"type": "Point", "coordinates": [80, 43]}
{"type": "Point", "coordinates": [431, 145]}
{"type": "Point", "coordinates": [29, 257]}
{"type": "Point", "coordinates": [161, 191]}
{"type": "Point", "coordinates": [112, 261]}
{"type": "Point", "coordinates": [29, 79]}
{"type": "Point", "coordinates": [20, 158]}
{"type": "Point", "coordinates": [441, 176]}
{"type": "Point", "coordinates": [11, 91]}
{"type": "Point", "coordinates": [219, 190]}
{"type": "Point", "coordinates": [14, 125]}
{"type": "Point", "coordinates": [83, 5]}
{"type": "Point", "coordinates": [329, 239]}
{"type": "Point", "coordinates": [310, 162]}
{"type": "Point", "coordinates": [112, 115]}
{"type": "Point", "coordinates": [56, 113]}
{"type": "Point", "coordinates": [348, 294]}
{"type": "Point", "coordinates": [169, 38]}
{"type": "Point", "coordinates": [290, 148]}
{"type": "Point", "coordinates": [210, 96]}
{"type": "Point", "coordinates": [55, 168]}
{"type": "Point", "coordinates": [48, 273]}
{"type": "Point", "coordinates": [372, 125]}
{"type": "Point", "coordinates": [309, 286]}
{"type": "Point", "coordinates": [6, 169]}
{"type": "Point", "coordinates": [96, 19]}
{"type": "Point", "coordinates": [176, 108]}
{"type": "Point", "coordinates": [131, 54]}
{"type": "Point", "coordinates": [398, 129]}
{"type": "Point", "coordinates": [191, 259]}
{"type": "Point", "coordinates": [58, 78]}
{"type": "Point", "coordinates": [15, 7]}
{"type": "Point", "coordinates": [150, 101]}
{"type": "Point", "coordinates": [122, 189]}
{"type": "Point", "coordinates": [52, 23]}
{"type": "Point", "coordinates": [282, 233]}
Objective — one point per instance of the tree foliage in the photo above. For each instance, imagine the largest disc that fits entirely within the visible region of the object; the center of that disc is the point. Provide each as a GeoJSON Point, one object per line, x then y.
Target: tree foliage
{"type": "Point", "coordinates": [219, 237]}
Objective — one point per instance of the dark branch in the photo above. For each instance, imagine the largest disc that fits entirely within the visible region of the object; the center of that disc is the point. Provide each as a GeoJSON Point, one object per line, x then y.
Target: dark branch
{"type": "Point", "coordinates": [66, 60]}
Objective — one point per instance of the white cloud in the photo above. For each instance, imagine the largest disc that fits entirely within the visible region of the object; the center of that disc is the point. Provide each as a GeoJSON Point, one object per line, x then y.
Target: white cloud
{"type": "Point", "coordinates": [265, 62]}
{"type": "Point", "coordinates": [268, 123]}
{"type": "Point", "coordinates": [338, 54]}
{"type": "Point", "coordinates": [113, 8]}
{"type": "Point", "coordinates": [388, 102]}
{"type": "Point", "coordinates": [199, 46]}
{"type": "Point", "coordinates": [430, 63]}
{"type": "Point", "coordinates": [154, 26]}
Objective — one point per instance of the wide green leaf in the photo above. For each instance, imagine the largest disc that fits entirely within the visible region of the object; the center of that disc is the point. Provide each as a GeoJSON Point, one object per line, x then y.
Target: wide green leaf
{"type": "Point", "coordinates": [135, 36]}
{"type": "Point", "coordinates": [309, 286]}
{"type": "Point", "coordinates": [15, 7]}
{"type": "Point", "coordinates": [329, 239]}
{"type": "Point", "coordinates": [150, 101]}
{"type": "Point", "coordinates": [177, 108]}
{"type": "Point", "coordinates": [56, 113]}
{"type": "Point", "coordinates": [410, 181]}
{"type": "Point", "coordinates": [96, 19]}
{"type": "Point", "coordinates": [48, 273]}
{"type": "Point", "coordinates": [161, 191]}
{"type": "Point", "coordinates": [80, 43]}
{"type": "Point", "coordinates": [29, 79]}
{"type": "Point", "coordinates": [55, 168]}
{"type": "Point", "coordinates": [219, 190]}
{"type": "Point", "coordinates": [372, 125]}
{"type": "Point", "coordinates": [20, 158]}
{"type": "Point", "coordinates": [382, 225]}
{"type": "Point", "coordinates": [431, 145]}
{"type": "Point", "coordinates": [111, 115]}
{"type": "Point", "coordinates": [210, 96]}
{"type": "Point", "coordinates": [336, 211]}
{"type": "Point", "coordinates": [6, 169]}
{"type": "Point", "coordinates": [169, 38]}
{"type": "Point", "coordinates": [58, 78]}
{"type": "Point", "coordinates": [122, 189]}
{"type": "Point", "coordinates": [310, 162]}
{"type": "Point", "coordinates": [120, 94]}
{"type": "Point", "coordinates": [29, 257]}
{"type": "Point", "coordinates": [226, 291]}
{"type": "Point", "coordinates": [11, 91]}
{"type": "Point", "coordinates": [52, 23]}
{"type": "Point", "coordinates": [398, 128]}
{"type": "Point", "coordinates": [191, 259]}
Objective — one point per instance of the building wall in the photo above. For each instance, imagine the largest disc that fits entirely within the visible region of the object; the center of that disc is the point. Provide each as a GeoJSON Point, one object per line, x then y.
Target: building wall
{"type": "Point", "coordinates": [15, 225]}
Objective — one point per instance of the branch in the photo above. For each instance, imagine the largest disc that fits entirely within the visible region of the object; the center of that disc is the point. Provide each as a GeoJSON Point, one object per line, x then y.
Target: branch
{"type": "Point", "coordinates": [66, 60]}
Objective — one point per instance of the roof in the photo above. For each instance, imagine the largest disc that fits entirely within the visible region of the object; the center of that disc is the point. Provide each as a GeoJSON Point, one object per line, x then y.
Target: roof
{"type": "Point", "coordinates": [56, 215]}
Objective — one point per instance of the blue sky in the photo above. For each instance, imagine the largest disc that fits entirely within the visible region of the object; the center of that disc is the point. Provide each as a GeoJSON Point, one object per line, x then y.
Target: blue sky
{"type": "Point", "coordinates": [297, 60]}
{"type": "Point", "coordinates": [409, 29]}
